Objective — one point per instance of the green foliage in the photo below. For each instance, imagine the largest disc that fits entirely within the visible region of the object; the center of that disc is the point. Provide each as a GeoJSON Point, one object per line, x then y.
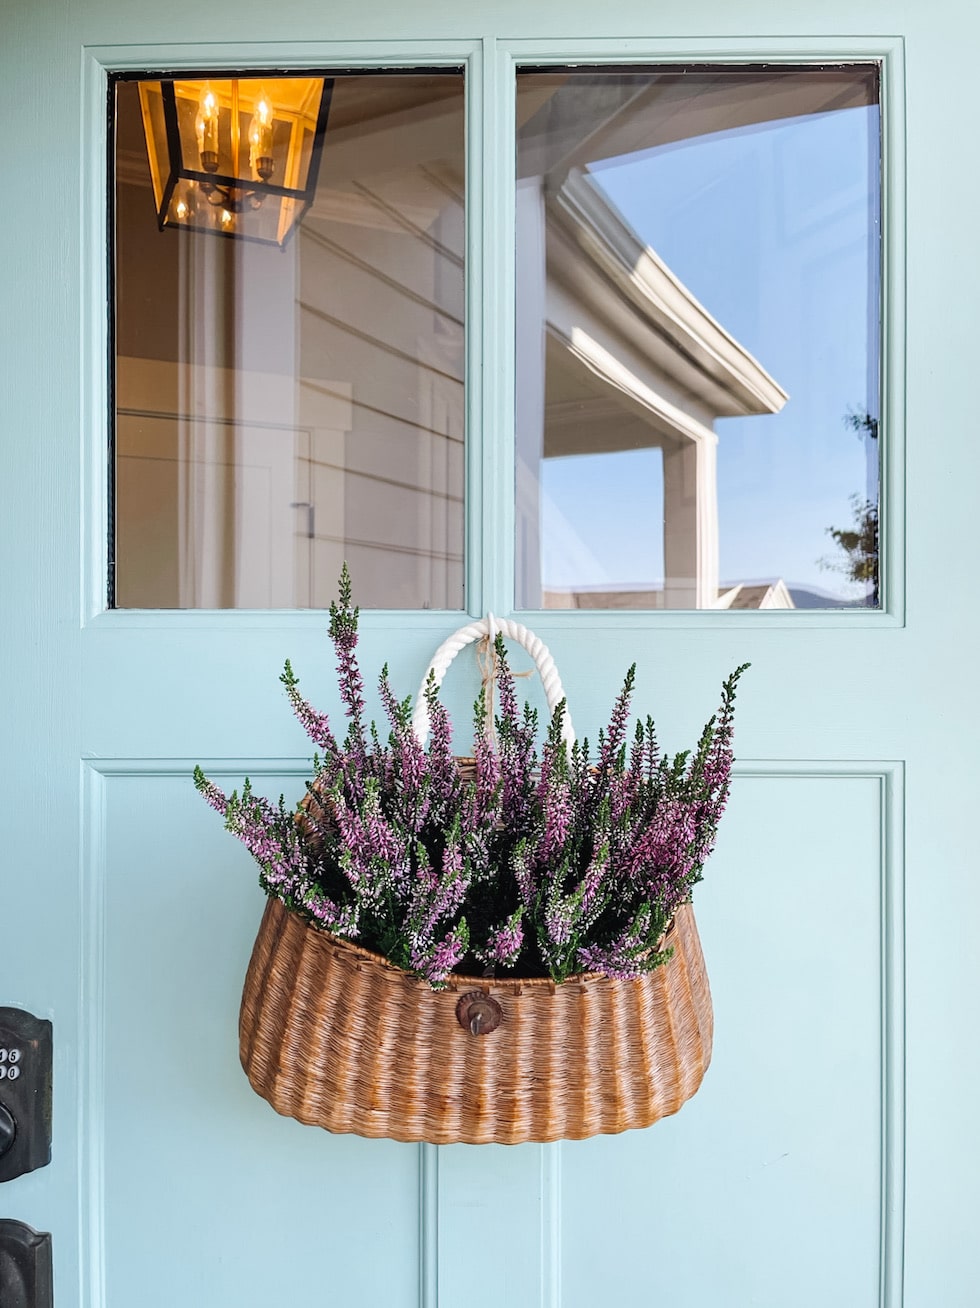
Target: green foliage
{"type": "Point", "coordinates": [858, 544]}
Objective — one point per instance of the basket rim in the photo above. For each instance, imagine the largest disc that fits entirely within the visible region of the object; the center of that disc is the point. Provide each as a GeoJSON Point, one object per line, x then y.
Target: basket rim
{"type": "Point", "coordinates": [459, 980]}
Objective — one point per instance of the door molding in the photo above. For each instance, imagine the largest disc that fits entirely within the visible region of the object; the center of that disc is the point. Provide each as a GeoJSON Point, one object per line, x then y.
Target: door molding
{"type": "Point", "coordinates": [97, 773]}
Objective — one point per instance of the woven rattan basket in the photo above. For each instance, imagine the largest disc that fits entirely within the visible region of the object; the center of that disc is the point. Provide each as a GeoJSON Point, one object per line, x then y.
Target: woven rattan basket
{"type": "Point", "coordinates": [338, 1037]}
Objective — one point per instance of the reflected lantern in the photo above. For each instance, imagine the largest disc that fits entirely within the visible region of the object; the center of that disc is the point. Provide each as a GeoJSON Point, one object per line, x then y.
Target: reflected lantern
{"type": "Point", "coordinates": [236, 156]}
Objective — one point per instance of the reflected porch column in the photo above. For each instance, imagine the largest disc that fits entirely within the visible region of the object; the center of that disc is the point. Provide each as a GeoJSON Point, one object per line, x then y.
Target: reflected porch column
{"type": "Point", "coordinates": [691, 522]}
{"type": "Point", "coordinates": [531, 290]}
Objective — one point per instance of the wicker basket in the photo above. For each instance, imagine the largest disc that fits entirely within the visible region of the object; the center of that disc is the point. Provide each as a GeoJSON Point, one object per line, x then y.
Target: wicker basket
{"type": "Point", "coordinates": [338, 1037]}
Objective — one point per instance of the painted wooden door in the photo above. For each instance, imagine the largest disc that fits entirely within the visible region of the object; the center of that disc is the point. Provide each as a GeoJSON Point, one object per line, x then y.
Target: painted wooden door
{"type": "Point", "coordinates": [831, 1155]}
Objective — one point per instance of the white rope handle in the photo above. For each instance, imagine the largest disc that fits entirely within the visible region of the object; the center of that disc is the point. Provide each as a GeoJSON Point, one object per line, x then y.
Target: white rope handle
{"type": "Point", "coordinates": [490, 626]}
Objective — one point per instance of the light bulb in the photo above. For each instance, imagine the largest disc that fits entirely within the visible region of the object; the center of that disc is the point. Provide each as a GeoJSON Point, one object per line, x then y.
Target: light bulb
{"type": "Point", "coordinates": [260, 139]}
{"type": "Point", "coordinates": [181, 210]}
{"type": "Point", "coordinates": [227, 219]}
{"type": "Point", "coordinates": [206, 125]}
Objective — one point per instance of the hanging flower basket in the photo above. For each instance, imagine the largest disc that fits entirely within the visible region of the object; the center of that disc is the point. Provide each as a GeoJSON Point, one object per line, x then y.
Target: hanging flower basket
{"type": "Point", "coordinates": [337, 1037]}
{"type": "Point", "coordinates": [401, 865]}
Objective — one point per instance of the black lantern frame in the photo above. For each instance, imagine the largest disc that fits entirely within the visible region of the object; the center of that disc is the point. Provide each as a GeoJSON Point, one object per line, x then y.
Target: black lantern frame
{"type": "Point", "coordinates": [179, 171]}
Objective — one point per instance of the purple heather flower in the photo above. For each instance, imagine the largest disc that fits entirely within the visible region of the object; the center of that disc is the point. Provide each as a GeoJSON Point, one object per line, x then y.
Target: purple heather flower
{"type": "Point", "coordinates": [343, 633]}
{"type": "Point", "coordinates": [212, 794]}
{"type": "Point", "coordinates": [524, 874]}
{"type": "Point", "coordinates": [593, 884]}
{"type": "Point", "coordinates": [437, 896]}
{"type": "Point", "coordinates": [560, 918]}
{"type": "Point", "coordinates": [373, 853]}
{"type": "Point", "coordinates": [342, 920]}
{"type": "Point", "coordinates": [616, 733]}
{"type": "Point", "coordinates": [436, 963]}
{"type": "Point", "coordinates": [558, 813]}
{"type": "Point", "coordinates": [316, 725]}
{"type": "Point", "coordinates": [504, 942]}
{"type": "Point", "coordinates": [274, 843]}
{"type": "Point", "coordinates": [398, 841]}
{"type": "Point", "coordinates": [442, 765]}
{"type": "Point", "coordinates": [447, 956]}
{"type": "Point", "coordinates": [505, 685]}
{"type": "Point", "coordinates": [621, 958]}
{"type": "Point", "coordinates": [483, 806]}
{"type": "Point", "coordinates": [660, 859]}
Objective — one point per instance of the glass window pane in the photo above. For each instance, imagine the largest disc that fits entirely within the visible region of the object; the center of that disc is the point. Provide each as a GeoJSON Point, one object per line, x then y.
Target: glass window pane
{"type": "Point", "coordinates": [698, 296]}
{"type": "Point", "coordinates": [289, 341]}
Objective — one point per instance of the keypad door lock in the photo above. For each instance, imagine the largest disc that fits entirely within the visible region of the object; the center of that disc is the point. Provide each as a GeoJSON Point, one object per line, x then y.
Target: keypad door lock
{"type": "Point", "coordinates": [25, 1092]}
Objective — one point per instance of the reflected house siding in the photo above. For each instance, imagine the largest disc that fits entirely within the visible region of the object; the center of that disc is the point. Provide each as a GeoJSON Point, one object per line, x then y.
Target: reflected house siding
{"type": "Point", "coordinates": [634, 361]}
{"type": "Point", "coordinates": [292, 409]}
{"type": "Point", "coordinates": [381, 303]}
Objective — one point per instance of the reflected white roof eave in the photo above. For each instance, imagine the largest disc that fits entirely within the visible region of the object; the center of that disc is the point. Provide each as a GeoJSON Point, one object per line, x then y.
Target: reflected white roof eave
{"type": "Point", "coordinates": [703, 351]}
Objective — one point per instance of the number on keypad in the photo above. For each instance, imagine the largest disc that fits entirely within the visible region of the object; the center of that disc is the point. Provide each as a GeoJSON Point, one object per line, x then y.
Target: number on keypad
{"type": "Point", "coordinates": [9, 1058]}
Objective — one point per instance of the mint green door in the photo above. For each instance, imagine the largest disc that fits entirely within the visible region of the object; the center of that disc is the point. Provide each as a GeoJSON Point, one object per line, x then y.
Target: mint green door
{"type": "Point", "coordinates": [831, 1155]}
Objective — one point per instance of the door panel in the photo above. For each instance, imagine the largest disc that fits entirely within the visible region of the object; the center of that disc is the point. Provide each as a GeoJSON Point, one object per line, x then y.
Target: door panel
{"type": "Point", "coordinates": [761, 1168]}
{"type": "Point", "coordinates": [831, 1152]}
{"type": "Point", "coordinates": [225, 1162]}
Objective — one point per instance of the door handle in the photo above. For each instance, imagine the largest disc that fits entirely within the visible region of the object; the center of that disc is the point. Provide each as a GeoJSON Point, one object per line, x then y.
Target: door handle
{"type": "Point", "coordinates": [26, 1279]}
{"type": "Point", "coordinates": [310, 515]}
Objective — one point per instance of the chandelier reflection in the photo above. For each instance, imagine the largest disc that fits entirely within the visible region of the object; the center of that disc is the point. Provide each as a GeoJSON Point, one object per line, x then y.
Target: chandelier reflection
{"type": "Point", "coordinates": [236, 156]}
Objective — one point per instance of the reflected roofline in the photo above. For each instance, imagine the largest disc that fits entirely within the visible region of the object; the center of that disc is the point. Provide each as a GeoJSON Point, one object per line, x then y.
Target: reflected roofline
{"type": "Point", "coordinates": [703, 349]}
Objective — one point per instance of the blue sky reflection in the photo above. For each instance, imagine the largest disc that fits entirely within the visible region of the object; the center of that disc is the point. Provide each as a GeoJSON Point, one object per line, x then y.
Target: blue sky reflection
{"type": "Point", "coordinates": [774, 228]}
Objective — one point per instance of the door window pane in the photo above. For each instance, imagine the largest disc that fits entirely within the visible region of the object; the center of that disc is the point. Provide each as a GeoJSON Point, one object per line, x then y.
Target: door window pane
{"type": "Point", "coordinates": [289, 370]}
{"type": "Point", "coordinates": [698, 337]}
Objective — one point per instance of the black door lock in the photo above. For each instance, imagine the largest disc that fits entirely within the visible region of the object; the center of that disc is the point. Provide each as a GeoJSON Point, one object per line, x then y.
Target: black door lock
{"type": "Point", "coordinates": [25, 1092]}
{"type": "Point", "coordinates": [25, 1266]}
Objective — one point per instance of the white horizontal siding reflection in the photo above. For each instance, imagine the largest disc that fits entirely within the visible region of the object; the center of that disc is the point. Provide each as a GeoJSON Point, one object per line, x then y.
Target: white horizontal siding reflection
{"type": "Point", "coordinates": [307, 402]}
